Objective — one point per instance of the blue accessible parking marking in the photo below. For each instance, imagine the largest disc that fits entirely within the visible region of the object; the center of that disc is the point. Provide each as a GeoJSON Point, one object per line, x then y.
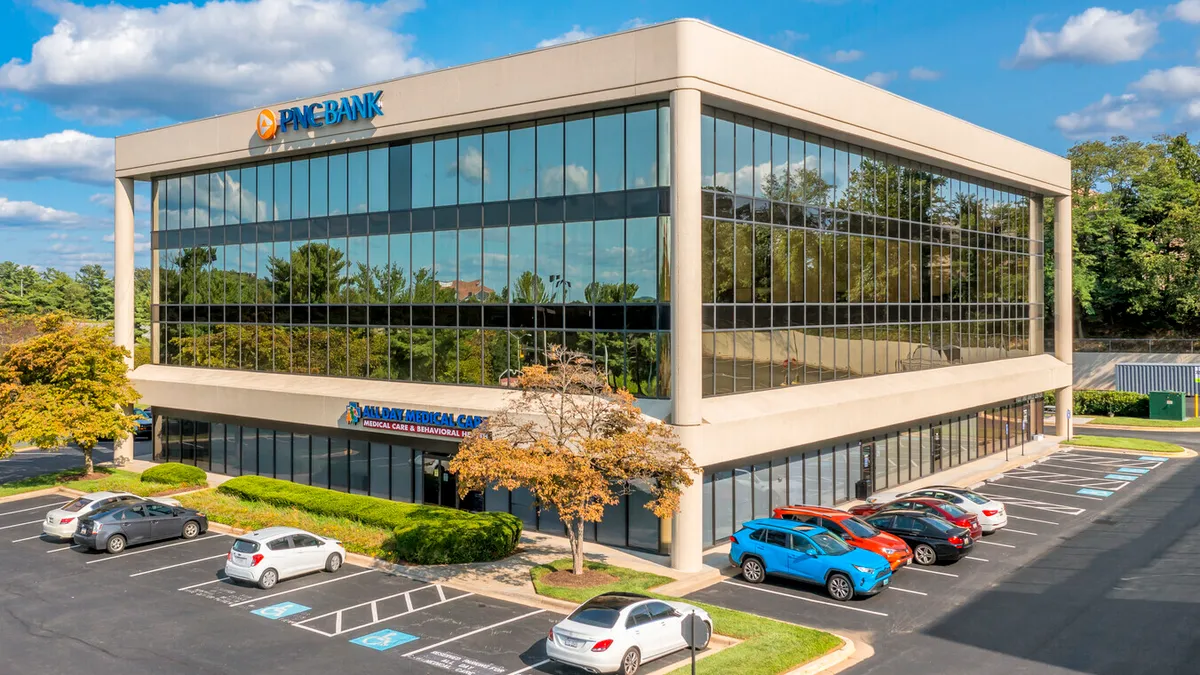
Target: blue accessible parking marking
{"type": "Point", "coordinates": [281, 610]}
{"type": "Point", "coordinates": [1121, 476]}
{"type": "Point", "coordinates": [383, 640]}
{"type": "Point", "coordinates": [1155, 459]}
{"type": "Point", "coordinates": [1126, 469]}
{"type": "Point", "coordinates": [1094, 493]}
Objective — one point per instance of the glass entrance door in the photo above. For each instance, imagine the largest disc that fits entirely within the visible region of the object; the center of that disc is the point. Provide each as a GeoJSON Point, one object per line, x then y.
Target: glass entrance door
{"type": "Point", "coordinates": [441, 487]}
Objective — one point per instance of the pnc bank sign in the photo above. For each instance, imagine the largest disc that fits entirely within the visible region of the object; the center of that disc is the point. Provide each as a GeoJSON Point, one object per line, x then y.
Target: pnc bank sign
{"type": "Point", "coordinates": [316, 115]}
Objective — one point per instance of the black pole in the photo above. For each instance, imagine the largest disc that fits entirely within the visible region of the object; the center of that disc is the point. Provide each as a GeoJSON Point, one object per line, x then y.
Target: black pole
{"type": "Point", "coordinates": [693, 641]}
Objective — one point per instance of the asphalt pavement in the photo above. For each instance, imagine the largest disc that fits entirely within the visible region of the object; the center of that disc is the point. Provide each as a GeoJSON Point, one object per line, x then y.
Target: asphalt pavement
{"type": "Point", "coordinates": [29, 463]}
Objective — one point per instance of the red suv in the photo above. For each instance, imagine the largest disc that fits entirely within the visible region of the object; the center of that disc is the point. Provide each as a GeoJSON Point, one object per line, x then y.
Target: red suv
{"type": "Point", "coordinates": [934, 507]}
{"type": "Point", "coordinates": [856, 532]}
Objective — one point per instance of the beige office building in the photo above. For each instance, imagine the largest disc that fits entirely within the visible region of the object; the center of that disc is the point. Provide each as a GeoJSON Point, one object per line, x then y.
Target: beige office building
{"type": "Point", "coordinates": [826, 288]}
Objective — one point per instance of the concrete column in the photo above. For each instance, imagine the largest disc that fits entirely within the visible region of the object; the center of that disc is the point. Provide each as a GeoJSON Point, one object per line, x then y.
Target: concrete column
{"type": "Point", "coordinates": [687, 542]}
{"type": "Point", "coordinates": [1037, 277]}
{"type": "Point", "coordinates": [123, 299]}
{"type": "Point", "coordinates": [1064, 305]}
{"type": "Point", "coordinates": [155, 280]}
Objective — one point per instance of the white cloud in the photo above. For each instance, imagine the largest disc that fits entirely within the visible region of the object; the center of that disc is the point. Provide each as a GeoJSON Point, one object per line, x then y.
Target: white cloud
{"type": "Point", "coordinates": [1187, 11]}
{"type": "Point", "coordinates": [846, 56]}
{"type": "Point", "coordinates": [879, 78]}
{"type": "Point", "coordinates": [184, 61]}
{"type": "Point", "coordinates": [68, 155]}
{"type": "Point", "coordinates": [1110, 115]}
{"type": "Point", "coordinates": [924, 74]}
{"type": "Point", "coordinates": [16, 214]}
{"type": "Point", "coordinates": [635, 22]}
{"type": "Point", "coordinates": [140, 241]}
{"type": "Point", "coordinates": [1098, 35]}
{"type": "Point", "coordinates": [788, 38]}
{"type": "Point", "coordinates": [574, 35]}
{"type": "Point", "coordinates": [1178, 83]}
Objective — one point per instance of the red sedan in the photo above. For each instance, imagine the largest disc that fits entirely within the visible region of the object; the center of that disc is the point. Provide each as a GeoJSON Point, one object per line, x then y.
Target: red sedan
{"type": "Point", "coordinates": [934, 507]}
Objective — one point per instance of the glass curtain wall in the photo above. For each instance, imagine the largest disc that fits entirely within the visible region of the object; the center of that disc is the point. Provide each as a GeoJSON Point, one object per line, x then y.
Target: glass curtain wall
{"type": "Point", "coordinates": [457, 258]}
{"type": "Point", "coordinates": [828, 476]}
{"type": "Point", "coordinates": [826, 261]}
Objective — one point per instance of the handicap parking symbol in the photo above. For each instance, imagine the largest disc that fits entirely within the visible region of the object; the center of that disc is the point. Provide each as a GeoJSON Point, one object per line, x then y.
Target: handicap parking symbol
{"type": "Point", "coordinates": [281, 610]}
{"type": "Point", "coordinates": [383, 640]}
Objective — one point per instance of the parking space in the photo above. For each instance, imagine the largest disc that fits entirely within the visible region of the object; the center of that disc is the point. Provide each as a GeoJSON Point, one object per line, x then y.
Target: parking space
{"type": "Point", "coordinates": [355, 619]}
{"type": "Point", "coordinates": [1045, 501]}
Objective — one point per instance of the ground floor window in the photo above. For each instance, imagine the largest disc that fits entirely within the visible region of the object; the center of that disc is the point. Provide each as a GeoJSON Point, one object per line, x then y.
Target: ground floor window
{"type": "Point", "coordinates": [839, 472]}
{"type": "Point", "coordinates": [390, 467]}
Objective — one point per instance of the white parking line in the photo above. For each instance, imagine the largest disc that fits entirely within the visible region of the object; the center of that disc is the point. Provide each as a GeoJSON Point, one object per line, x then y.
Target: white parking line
{"type": "Point", "coordinates": [36, 536]}
{"type": "Point", "coordinates": [905, 590]}
{"type": "Point", "coordinates": [992, 543]}
{"type": "Point", "coordinates": [293, 590]}
{"type": "Point", "coordinates": [155, 548]}
{"type": "Point", "coordinates": [32, 522]}
{"type": "Point", "coordinates": [66, 548]}
{"type": "Point", "coordinates": [922, 569]}
{"type": "Point", "coordinates": [1056, 478]}
{"type": "Point", "coordinates": [1078, 468]}
{"type": "Point", "coordinates": [214, 581]}
{"type": "Point", "coordinates": [971, 557]}
{"type": "Point", "coordinates": [170, 567]}
{"type": "Point", "coordinates": [1032, 520]}
{"type": "Point", "coordinates": [1032, 534]}
{"type": "Point", "coordinates": [1025, 502]}
{"type": "Point", "coordinates": [474, 632]}
{"type": "Point", "coordinates": [338, 629]}
{"type": "Point", "coordinates": [526, 669]}
{"type": "Point", "coordinates": [48, 507]}
{"type": "Point", "coordinates": [1049, 492]}
{"type": "Point", "coordinates": [801, 597]}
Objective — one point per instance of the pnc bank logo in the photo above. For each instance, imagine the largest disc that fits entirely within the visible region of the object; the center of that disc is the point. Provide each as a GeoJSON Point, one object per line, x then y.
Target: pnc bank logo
{"type": "Point", "coordinates": [315, 115]}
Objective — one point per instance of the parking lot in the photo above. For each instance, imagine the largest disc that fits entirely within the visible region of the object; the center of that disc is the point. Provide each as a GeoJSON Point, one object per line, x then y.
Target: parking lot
{"type": "Point", "coordinates": [1045, 501]}
{"type": "Point", "coordinates": [62, 608]}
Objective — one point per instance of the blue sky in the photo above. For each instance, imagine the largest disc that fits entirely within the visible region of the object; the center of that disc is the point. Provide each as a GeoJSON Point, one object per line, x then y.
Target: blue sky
{"type": "Point", "coordinates": [74, 75]}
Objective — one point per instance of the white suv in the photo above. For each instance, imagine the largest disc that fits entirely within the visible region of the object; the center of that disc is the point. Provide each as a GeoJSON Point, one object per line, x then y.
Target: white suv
{"type": "Point", "coordinates": [265, 556]}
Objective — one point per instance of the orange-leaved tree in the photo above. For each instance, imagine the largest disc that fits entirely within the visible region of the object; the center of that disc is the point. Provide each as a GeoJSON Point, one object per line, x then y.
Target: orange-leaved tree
{"type": "Point", "coordinates": [66, 383]}
{"type": "Point", "coordinates": [576, 444]}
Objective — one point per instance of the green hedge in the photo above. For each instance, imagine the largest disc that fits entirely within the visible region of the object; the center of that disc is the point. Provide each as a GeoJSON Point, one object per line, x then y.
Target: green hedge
{"type": "Point", "coordinates": [424, 535]}
{"type": "Point", "coordinates": [1101, 402]}
{"type": "Point", "coordinates": [173, 473]}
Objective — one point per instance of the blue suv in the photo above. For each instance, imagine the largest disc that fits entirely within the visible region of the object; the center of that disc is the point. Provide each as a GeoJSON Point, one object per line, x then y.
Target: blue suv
{"type": "Point", "coordinates": [808, 553]}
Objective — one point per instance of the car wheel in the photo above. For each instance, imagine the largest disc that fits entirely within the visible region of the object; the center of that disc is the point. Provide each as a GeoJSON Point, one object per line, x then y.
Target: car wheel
{"type": "Point", "coordinates": [924, 554]}
{"type": "Point", "coordinates": [333, 563]}
{"type": "Point", "coordinates": [116, 544]}
{"type": "Point", "coordinates": [631, 661]}
{"type": "Point", "coordinates": [707, 638]}
{"type": "Point", "coordinates": [839, 587]}
{"type": "Point", "coordinates": [268, 579]}
{"type": "Point", "coordinates": [191, 529]}
{"type": "Point", "coordinates": [752, 570]}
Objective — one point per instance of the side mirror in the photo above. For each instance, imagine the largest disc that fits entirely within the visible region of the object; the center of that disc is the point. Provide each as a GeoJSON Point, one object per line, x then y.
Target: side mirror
{"type": "Point", "coordinates": [812, 552]}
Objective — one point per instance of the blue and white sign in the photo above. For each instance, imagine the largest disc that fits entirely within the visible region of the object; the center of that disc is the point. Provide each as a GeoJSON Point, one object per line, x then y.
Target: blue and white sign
{"type": "Point", "coordinates": [383, 640]}
{"type": "Point", "coordinates": [1127, 469]}
{"type": "Point", "coordinates": [281, 610]}
{"type": "Point", "coordinates": [1095, 493]}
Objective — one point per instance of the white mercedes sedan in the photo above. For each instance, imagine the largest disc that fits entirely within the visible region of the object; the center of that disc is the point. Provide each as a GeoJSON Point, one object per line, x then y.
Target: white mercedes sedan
{"type": "Point", "coordinates": [618, 632]}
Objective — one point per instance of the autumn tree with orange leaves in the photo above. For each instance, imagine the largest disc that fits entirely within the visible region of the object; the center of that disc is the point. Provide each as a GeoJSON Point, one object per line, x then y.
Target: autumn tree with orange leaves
{"type": "Point", "coordinates": [576, 444]}
{"type": "Point", "coordinates": [66, 383]}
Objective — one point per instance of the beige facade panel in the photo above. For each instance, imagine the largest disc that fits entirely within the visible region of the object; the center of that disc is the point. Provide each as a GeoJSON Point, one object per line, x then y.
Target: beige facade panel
{"type": "Point", "coordinates": [758, 423]}
{"type": "Point", "coordinates": [731, 71]}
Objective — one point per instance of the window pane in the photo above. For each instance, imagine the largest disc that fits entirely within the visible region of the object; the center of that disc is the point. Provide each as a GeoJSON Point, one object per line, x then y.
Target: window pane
{"type": "Point", "coordinates": [422, 174]}
{"type": "Point", "coordinates": [300, 188]}
{"type": "Point", "coordinates": [216, 198]}
{"type": "Point", "coordinates": [610, 261]}
{"type": "Point", "coordinates": [339, 464]}
{"type": "Point", "coordinates": [578, 164]}
{"type": "Point", "coordinates": [400, 176]}
{"type": "Point", "coordinates": [402, 473]}
{"type": "Point", "coordinates": [300, 458]}
{"type": "Point", "coordinates": [318, 181]}
{"type": "Point", "coordinates": [217, 434]}
{"type": "Point", "coordinates": [523, 284]}
{"type": "Point", "coordinates": [422, 283]}
{"type": "Point", "coordinates": [187, 202]}
{"type": "Point", "coordinates": [470, 169]}
{"type": "Point", "coordinates": [233, 186]}
{"type": "Point", "coordinates": [380, 470]}
{"type": "Point", "coordinates": [378, 172]}
{"type": "Point", "coordinates": [266, 452]}
{"type": "Point", "coordinates": [470, 266]}
{"type": "Point", "coordinates": [643, 524]}
{"type": "Point", "coordinates": [550, 159]}
{"type": "Point", "coordinates": [707, 148]}
{"type": "Point", "coordinates": [641, 149]}
{"type": "Point", "coordinates": [173, 204]}
{"type": "Point", "coordinates": [283, 455]}
{"type": "Point", "coordinates": [744, 155]}
{"type": "Point", "coordinates": [723, 525]}
{"type": "Point", "coordinates": [521, 162]}
{"type": "Point", "coordinates": [320, 461]}
{"type": "Point", "coordinates": [264, 206]}
{"type": "Point", "coordinates": [337, 184]}
{"type": "Point", "coordinates": [495, 264]}
{"type": "Point", "coordinates": [495, 166]}
{"type": "Point", "coordinates": [283, 191]}
{"type": "Point", "coordinates": [550, 261]}
{"type": "Point", "coordinates": [610, 151]}
{"type": "Point", "coordinates": [579, 257]}
{"type": "Point", "coordinates": [641, 239]}
{"type": "Point", "coordinates": [445, 177]}
{"type": "Point", "coordinates": [445, 253]}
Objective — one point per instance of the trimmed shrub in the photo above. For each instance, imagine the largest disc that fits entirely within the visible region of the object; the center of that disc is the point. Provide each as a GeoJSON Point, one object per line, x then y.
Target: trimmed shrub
{"type": "Point", "coordinates": [1110, 403]}
{"type": "Point", "coordinates": [423, 535]}
{"type": "Point", "coordinates": [173, 473]}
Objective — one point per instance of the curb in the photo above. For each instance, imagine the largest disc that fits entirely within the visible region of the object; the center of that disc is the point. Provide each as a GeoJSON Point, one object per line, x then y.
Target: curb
{"type": "Point", "coordinates": [691, 584]}
{"type": "Point", "coordinates": [44, 492]}
{"type": "Point", "coordinates": [1169, 430]}
{"type": "Point", "coordinates": [1187, 453]}
{"type": "Point", "coordinates": [830, 660]}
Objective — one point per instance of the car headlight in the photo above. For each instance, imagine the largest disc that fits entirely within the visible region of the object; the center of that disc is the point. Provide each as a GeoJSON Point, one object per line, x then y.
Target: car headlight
{"type": "Point", "coordinates": [889, 551]}
{"type": "Point", "coordinates": [864, 570]}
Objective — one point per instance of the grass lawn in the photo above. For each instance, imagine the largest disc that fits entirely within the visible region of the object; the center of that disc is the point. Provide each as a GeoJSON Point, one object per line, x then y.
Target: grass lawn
{"type": "Point", "coordinates": [115, 480]}
{"type": "Point", "coordinates": [1144, 422]}
{"type": "Point", "coordinates": [253, 515]}
{"type": "Point", "coordinates": [767, 647]}
{"type": "Point", "coordinates": [1123, 443]}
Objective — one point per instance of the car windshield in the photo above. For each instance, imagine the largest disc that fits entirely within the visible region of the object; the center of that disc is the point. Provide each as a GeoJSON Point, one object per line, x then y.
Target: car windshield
{"type": "Point", "coordinates": [830, 544]}
{"type": "Point", "coordinates": [942, 525]}
{"type": "Point", "coordinates": [978, 499]}
{"type": "Point", "coordinates": [77, 505]}
{"type": "Point", "coordinates": [859, 528]}
{"type": "Point", "coordinates": [952, 510]}
{"type": "Point", "coordinates": [245, 546]}
{"type": "Point", "coordinates": [600, 617]}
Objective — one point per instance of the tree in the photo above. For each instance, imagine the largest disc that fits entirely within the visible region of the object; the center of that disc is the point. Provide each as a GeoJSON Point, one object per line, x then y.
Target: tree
{"type": "Point", "coordinates": [576, 444]}
{"type": "Point", "coordinates": [66, 383]}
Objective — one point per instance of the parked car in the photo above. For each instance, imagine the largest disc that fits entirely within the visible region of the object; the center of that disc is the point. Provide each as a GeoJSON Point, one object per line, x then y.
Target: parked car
{"type": "Point", "coordinates": [935, 507]}
{"type": "Point", "coordinates": [932, 539]}
{"type": "Point", "coordinates": [138, 522]}
{"type": "Point", "coordinates": [61, 523]}
{"type": "Point", "coordinates": [772, 546]}
{"type": "Point", "coordinates": [991, 513]}
{"type": "Point", "coordinates": [145, 423]}
{"type": "Point", "coordinates": [265, 556]}
{"type": "Point", "coordinates": [618, 632]}
{"type": "Point", "coordinates": [855, 531]}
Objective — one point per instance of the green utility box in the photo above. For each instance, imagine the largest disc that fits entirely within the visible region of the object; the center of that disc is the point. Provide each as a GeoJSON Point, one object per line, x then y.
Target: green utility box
{"type": "Point", "coordinates": [1167, 405]}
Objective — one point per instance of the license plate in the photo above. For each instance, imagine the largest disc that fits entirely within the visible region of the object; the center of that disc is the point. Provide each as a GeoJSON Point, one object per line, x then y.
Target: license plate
{"type": "Point", "coordinates": [966, 540]}
{"type": "Point", "coordinates": [885, 581]}
{"type": "Point", "coordinates": [573, 643]}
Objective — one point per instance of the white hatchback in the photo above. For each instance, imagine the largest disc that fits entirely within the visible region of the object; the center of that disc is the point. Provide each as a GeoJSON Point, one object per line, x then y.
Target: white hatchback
{"type": "Point", "coordinates": [265, 556]}
{"type": "Point", "coordinates": [991, 513]}
{"type": "Point", "coordinates": [60, 523]}
{"type": "Point", "coordinates": [618, 632]}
